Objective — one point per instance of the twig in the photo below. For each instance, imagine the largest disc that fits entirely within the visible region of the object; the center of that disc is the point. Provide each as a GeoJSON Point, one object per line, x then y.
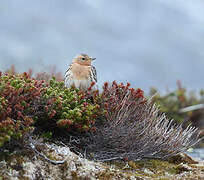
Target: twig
{"type": "Point", "coordinates": [32, 147]}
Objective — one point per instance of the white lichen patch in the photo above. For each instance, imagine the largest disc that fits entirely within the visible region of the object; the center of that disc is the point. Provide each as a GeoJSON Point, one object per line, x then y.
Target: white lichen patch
{"type": "Point", "coordinates": [30, 169]}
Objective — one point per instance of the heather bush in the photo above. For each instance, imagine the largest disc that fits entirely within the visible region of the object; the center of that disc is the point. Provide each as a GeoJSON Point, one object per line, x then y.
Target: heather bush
{"type": "Point", "coordinates": [134, 128]}
{"type": "Point", "coordinates": [120, 101]}
{"type": "Point", "coordinates": [68, 108]}
{"type": "Point", "coordinates": [16, 98]}
{"type": "Point", "coordinates": [26, 103]}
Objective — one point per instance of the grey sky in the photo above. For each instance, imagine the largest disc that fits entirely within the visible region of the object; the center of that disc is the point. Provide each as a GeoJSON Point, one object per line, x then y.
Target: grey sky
{"type": "Point", "coordinates": [146, 42]}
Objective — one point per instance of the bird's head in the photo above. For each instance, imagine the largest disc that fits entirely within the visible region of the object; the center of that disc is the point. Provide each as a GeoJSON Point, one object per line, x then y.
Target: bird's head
{"type": "Point", "coordinates": [83, 59]}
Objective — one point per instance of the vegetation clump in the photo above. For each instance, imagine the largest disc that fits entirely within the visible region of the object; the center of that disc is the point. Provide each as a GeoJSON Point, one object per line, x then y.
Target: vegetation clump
{"type": "Point", "coordinates": [135, 129]}
{"type": "Point", "coordinates": [26, 103]}
{"type": "Point", "coordinates": [117, 123]}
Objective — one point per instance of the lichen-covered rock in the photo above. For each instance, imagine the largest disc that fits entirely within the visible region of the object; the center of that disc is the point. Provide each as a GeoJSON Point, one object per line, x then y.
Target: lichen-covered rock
{"type": "Point", "coordinates": [28, 166]}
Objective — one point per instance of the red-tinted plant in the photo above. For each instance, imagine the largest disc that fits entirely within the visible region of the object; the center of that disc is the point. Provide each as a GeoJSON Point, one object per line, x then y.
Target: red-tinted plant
{"type": "Point", "coordinates": [26, 103]}
{"type": "Point", "coordinates": [17, 94]}
{"type": "Point", "coordinates": [120, 101]}
{"type": "Point", "coordinates": [133, 128]}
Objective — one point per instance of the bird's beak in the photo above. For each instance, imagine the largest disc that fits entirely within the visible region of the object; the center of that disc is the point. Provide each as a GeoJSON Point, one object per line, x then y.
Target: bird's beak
{"type": "Point", "coordinates": [93, 59]}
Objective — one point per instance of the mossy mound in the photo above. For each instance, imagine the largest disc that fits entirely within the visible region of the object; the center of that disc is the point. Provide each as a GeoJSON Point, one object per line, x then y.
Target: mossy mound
{"type": "Point", "coordinates": [24, 166]}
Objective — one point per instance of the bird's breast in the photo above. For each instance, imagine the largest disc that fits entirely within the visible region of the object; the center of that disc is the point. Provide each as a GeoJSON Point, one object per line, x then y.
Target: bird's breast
{"type": "Point", "coordinates": [80, 72]}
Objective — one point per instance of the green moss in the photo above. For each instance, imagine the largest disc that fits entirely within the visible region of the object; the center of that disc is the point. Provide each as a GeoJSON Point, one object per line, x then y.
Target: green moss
{"type": "Point", "coordinates": [178, 169]}
{"type": "Point", "coordinates": [158, 168]}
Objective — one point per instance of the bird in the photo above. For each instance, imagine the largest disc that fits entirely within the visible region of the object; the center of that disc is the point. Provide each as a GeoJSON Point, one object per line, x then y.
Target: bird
{"type": "Point", "coordinates": [81, 73]}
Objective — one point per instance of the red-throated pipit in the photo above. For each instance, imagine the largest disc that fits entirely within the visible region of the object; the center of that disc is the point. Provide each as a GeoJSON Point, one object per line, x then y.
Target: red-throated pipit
{"type": "Point", "coordinates": [81, 74]}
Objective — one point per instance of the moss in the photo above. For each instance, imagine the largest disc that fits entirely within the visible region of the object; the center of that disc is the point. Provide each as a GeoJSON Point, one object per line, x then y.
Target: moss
{"type": "Point", "coordinates": [105, 175]}
{"type": "Point", "coordinates": [15, 162]}
{"type": "Point", "coordinates": [181, 158]}
{"type": "Point", "coordinates": [74, 175]}
{"type": "Point", "coordinates": [133, 165]}
{"type": "Point", "coordinates": [110, 174]}
{"type": "Point", "coordinates": [64, 166]}
{"type": "Point", "coordinates": [112, 170]}
{"type": "Point", "coordinates": [178, 169]}
{"type": "Point", "coordinates": [156, 166]}
{"type": "Point", "coordinates": [153, 168]}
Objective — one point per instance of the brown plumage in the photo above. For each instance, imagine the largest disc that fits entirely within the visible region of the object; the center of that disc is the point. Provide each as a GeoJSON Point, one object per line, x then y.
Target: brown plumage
{"type": "Point", "coordinates": [81, 73]}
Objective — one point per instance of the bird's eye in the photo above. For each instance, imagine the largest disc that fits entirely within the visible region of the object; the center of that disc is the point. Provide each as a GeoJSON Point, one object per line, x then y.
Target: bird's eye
{"type": "Point", "coordinates": [83, 58]}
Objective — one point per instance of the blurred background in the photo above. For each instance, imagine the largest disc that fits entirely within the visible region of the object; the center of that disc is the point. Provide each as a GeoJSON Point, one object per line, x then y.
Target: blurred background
{"type": "Point", "coordinates": [146, 42]}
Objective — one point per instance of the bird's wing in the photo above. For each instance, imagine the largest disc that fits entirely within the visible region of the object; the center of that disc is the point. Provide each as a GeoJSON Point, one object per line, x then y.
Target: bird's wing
{"type": "Point", "coordinates": [93, 74]}
{"type": "Point", "coordinates": [68, 74]}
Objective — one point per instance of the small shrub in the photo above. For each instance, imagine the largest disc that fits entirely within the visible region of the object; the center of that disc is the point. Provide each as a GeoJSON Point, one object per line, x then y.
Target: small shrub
{"type": "Point", "coordinates": [26, 102]}
{"type": "Point", "coordinates": [134, 128]}
{"type": "Point", "coordinates": [121, 102]}
{"type": "Point", "coordinates": [68, 108]}
{"type": "Point", "coordinates": [16, 96]}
